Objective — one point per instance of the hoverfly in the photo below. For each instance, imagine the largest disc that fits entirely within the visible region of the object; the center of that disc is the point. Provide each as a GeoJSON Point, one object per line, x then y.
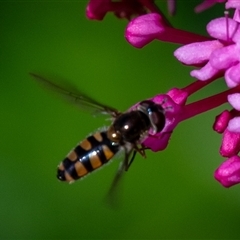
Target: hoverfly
{"type": "Point", "coordinates": [126, 133]}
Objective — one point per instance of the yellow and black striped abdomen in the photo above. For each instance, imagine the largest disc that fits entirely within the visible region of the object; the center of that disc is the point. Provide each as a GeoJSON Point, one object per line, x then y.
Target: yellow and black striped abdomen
{"type": "Point", "coordinates": [89, 155]}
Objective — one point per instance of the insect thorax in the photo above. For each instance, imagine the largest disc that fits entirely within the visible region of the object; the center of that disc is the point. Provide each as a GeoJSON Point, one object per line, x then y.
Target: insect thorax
{"type": "Point", "coordinates": [129, 127]}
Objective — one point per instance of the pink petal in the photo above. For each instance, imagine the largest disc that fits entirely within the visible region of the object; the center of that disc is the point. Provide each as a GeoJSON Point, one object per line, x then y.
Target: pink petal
{"type": "Point", "coordinates": [228, 174]}
{"type": "Point", "coordinates": [159, 141]}
{"type": "Point", "coordinates": [144, 29]}
{"type": "Point", "coordinates": [97, 9]}
{"type": "Point", "coordinates": [221, 121]}
{"type": "Point", "coordinates": [230, 144]}
{"type": "Point", "coordinates": [234, 100]}
{"type": "Point", "coordinates": [225, 57]}
{"type": "Point", "coordinates": [178, 96]}
{"type": "Point", "coordinates": [232, 76]}
{"type": "Point", "coordinates": [230, 83]}
{"type": "Point", "coordinates": [232, 4]}
{"type": "Point", "coordinates": [236, 15]}
{"type": "Point", "coordinates": [197, 53]}
{"type": "Point", "coordinates": [217, 28]}
{"type": "Point", "coordinates": [234, 125]}
{"type": "Point", "coordinates": [205, 73]}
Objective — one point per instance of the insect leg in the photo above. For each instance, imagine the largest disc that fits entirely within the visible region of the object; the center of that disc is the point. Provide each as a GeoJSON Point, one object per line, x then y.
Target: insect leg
{"type": "Point", "coordinates": [131, 161]}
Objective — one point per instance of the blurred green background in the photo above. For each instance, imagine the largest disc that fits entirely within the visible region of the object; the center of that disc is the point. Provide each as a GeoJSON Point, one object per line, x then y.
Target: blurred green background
{"type": "Point", "coordinates": [171, 194]}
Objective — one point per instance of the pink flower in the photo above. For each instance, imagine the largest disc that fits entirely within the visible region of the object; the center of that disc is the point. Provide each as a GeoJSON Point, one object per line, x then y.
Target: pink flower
{"type": "Point", "coordinates": [144, 29]}
{"type": "Point", "coordinates": [176, 111]}
{"type": "Point", "coordinates": [221, 121]}
{"type": "Point", "coordinates": [228, 174]}
{"type": "Point", "coordinates": [234, 123]}
{"type": "Point", "coordinates": [221, 57]}
{"type": "Point", "coordinates": [232, 4]}
{"type": "Point", "coordinates": [97, 9]}
{"type": "Point", "coordinates": [231, 139]}
{"type": "Point", "coordinates": [218, 57]}
{"type": "Point", "coordinates": [234, 100]}
{"type": "Point", "coordinates": [230, 144]}
{"type": "Point", "coordinates": [215, 56]}
{"type": "Point", "coordinates": [173, 104]}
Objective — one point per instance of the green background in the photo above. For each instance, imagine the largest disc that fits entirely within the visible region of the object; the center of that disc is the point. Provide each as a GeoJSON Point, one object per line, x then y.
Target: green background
{"type": "Point", "coordinates": [171, 194]}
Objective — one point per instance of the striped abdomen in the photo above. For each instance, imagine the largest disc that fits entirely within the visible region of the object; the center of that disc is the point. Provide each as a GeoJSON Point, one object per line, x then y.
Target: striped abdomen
{"type": "Point", "coordinates": [89, 155]}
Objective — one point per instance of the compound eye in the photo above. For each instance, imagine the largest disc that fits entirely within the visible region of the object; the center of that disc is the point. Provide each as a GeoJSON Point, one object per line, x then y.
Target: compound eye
{"type": "Point", "coordinates": [155, 113]}
{"type": "Point", "coordinates": [158, 120]}
{"type": "Point", "coordinates": [113, 135]}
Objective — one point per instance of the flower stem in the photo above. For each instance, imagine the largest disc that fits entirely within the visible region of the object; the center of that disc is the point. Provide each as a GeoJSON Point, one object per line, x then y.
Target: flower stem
{"type": "Point", "coordinates": [197, 85]}
{"type": "Point", "coordinates": [180, 36]}
{"type": "Point", "coordinates": [207, 104]}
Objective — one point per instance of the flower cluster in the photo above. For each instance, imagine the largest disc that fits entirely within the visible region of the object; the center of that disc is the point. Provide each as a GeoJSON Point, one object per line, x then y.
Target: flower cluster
{"type": "Point", "coordinates": [97, 9]}
{"type": "Point", "coordinates": [213, 56]}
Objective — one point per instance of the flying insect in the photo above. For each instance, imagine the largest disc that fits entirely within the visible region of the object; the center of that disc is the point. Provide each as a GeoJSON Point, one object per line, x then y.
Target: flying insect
{"type": "Point", "coordinates": [126, 133]}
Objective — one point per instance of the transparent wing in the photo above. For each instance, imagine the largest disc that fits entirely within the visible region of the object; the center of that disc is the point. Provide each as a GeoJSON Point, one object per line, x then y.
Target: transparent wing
{"type": "Point", "coordinates": [113, 195]}
{"type": "Point", "coordinates": [114, 190]}
{"type": "Point", "coordinates": [84, 102]}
